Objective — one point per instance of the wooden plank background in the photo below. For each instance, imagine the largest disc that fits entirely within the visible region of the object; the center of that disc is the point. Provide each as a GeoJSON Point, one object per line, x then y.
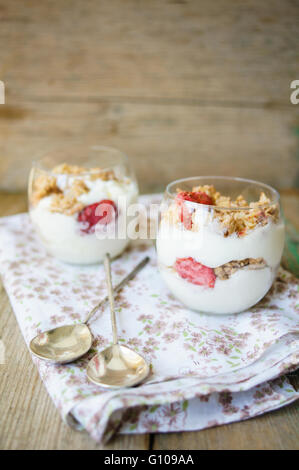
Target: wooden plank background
{"type": "Point", "coordinates": [184, 87]}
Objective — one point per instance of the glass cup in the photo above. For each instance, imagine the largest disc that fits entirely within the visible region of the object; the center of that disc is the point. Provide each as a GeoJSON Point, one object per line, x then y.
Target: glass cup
{"type": "Point", "coordinates": [78, 200]}
{"type": "Point", "coordinates": [220, 242]}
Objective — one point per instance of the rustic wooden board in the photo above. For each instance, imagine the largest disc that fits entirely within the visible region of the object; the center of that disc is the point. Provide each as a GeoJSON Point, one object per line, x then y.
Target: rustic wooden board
{"type": "Point", "coordinates": [163, 142]}
{"type": "Point", "coordinates": [29, 420]}
{"type": "Point", "coordinates": [226, 51]}
{"type": "Point", "coordinates": [184, 87]}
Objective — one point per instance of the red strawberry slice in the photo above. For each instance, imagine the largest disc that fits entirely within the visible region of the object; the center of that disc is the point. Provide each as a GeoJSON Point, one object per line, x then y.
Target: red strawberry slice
{"type": "Point", "coordinates": [192, 196]}
{"type": "Point", "coordinates": [195, 272]}
{"type": "Point", "coordinates": [103, 212]}
{"type": "Point", "coordinates": [195, 196]}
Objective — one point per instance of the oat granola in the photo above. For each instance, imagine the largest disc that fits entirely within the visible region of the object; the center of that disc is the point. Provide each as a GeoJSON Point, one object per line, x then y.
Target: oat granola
{"type": "Point", "coordinates": [226, 270]}
{"type": "Point", "coordinates": [66, 202]}
{"type": "Point", "coordinates": [44, 185]}
{"type": "Point", "coordinates": [78, 187]}
{"type": "Point", "coordinates": [94, 173]}
{"type": "Point", "coordinates": [227, 211]}
{"type": "Point", "coordinates": [66, 169]}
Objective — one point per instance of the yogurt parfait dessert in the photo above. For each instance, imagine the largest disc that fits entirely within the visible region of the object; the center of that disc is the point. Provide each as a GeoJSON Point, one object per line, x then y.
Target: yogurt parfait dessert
{"type": "Point", "coordinates": [220, 242]}
{"type": "Point", "coordinates": [79, 210]}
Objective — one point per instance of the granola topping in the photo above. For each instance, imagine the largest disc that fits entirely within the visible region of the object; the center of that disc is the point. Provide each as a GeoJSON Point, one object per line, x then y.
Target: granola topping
{"type": "Point", "coordinates": [65, 204]}
{"type": "Point", "coordinates": [227, 212]}
{"type": "Point", "coordinates": [66, 201]}
{"type": "Point", "coordinates": [44, 185]}
{"type": "Point", "coordinates": [78, 187]}
{"type": "Point", "coordinates": [66, 169]}
{"type": "Point", "coordinates": [93, 173]}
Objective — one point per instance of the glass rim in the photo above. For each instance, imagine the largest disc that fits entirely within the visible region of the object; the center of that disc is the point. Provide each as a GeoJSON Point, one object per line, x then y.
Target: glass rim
{"type": "Point", "coordinates": [275, 200]}
{"type": "Point", "coordinates": [38, 163]}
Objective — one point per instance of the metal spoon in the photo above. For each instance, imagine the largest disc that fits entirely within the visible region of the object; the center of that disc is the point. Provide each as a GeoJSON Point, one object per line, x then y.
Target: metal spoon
{"type": "Point", "coordinates": [67, 343]}
{"type": "Point", "coordinates": [117, 366]}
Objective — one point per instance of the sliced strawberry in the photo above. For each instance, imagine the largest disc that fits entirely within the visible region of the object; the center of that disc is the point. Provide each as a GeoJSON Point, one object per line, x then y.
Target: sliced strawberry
{"type": "Point", "coordinates": [195, 196]}
{"type": "Point", "coordinates": [102, 212]}
{"type": "Point", "coordinates": [242, 232]}
{"type": "Point", "coordinates": [195, 272]}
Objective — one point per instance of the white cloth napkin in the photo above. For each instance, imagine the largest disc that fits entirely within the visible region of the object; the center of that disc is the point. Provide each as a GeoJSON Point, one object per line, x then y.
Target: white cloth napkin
{"type": "Point", "coordinates": [206, 370]}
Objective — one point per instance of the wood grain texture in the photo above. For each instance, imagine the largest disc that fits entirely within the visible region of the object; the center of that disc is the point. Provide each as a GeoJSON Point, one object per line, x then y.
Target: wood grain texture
{"type": "Point", "coordinates": [29, 419]}
{"type": "Point", "coordinates": [224, 51]}
{"type": "Point", "coordinates": [163, 142]}
{"type": "Point", "coordinates": [183, 87]}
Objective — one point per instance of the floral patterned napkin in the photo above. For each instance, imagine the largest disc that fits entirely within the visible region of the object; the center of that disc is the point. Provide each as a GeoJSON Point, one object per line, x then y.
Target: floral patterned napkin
{"type": "Point", "coordinates": [206, 369]}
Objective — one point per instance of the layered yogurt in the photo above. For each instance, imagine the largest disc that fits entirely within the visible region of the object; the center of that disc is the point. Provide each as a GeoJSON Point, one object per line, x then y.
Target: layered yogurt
{"type": "Point", "coordinates": [77, 212]}
{"type": "Point", "coordinates": [219, 255]}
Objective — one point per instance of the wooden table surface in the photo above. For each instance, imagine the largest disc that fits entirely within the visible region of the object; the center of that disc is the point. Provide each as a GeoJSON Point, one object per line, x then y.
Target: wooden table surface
{"type": "Point", "coordinates": [29, 419]}
{"type": "Point", "coordinates": [184, 87]}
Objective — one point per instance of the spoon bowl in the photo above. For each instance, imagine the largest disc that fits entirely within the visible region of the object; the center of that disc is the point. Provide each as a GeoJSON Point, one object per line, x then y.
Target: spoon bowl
{"type": "Point", "coordinates": [61, 345]}
{"type": "Point", "coordinates": [70, 342]}
{"type": "Point", "coordinates": [117, 366]}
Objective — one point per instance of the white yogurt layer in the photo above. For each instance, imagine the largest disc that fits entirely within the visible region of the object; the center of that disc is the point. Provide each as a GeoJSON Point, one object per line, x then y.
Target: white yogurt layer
{"type": "Point", "coordinates": [212, 249]}
{"type": "Point", "coordinates": [209, 247]}
{"type": "Point", "coordinates": [240, 292]}
{"type": "Point", "coordinates": [61, 233]}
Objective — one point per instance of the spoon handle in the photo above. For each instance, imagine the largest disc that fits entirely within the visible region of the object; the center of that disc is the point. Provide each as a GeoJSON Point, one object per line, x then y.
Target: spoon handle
{"type": "Point", "coordinates": [119, 286]}
{"type": "Point", "coordinates": [107, 264]}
